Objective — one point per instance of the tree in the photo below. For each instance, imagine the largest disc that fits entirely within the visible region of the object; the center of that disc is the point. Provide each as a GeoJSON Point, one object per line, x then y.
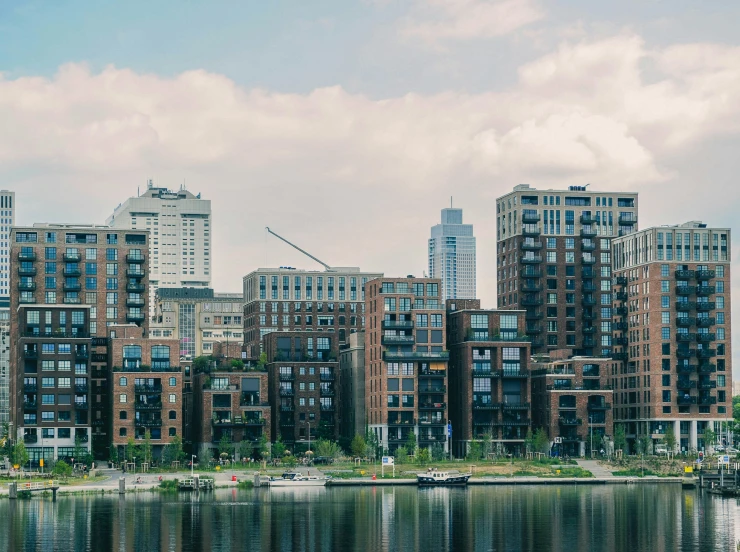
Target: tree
{"type": "Point", "coordinates": [644, 444]}
{"type": "Point", "coordinates": [132, 451]}
{"type": "Point", "coordinates": [202, 364]}
{"type": "Point", "coordinates": [411, 443]}
{"type": "Point", "coordinates": [358, 445]}
{"type": "Point", "coordinates": [244, 450]}
{"type": "Point", "coordinates": [263, 446]}
{"type": "Point", "coordinates": [438, 452]}
{"type": "Point", "coordinates": [372, 445]}
{"type": "Point", "coordinates": [146, 447]}
{"type": "Point", "coordinates": [541, 441]}
{"type": "Point", "coordinates": [422, 456]}
{"type": "Point", "coordinates": [79, 451]}
{"type": "Point", "coordinates": [620, 440]}
{"type": "Point", "coordinates": [529, 440]}
{"type": "Point", "coordinates": [173, 451]}
{"type": "Point", "coordinates": [113, 454]}
{"type": "Point", "coordinates": [19, 455]}
{"type": "Point", "coordinates": [486, 444]}
{"type": "Point", "coordinates": [62, 469]}
{"type": "Point", "coordinates": [328, 449]}
{"type": "Point", "coordinates": [474, 451]}
{"type": "Point", "coordinates": [237, 364]}
{"type": "Point", "coordinates": [710, 437]}
{"type": "Point", "coordinates": [402, 455]}
{"type": "Point", "coordinates": [670, 438]}
{"type": "Point", "coordinates": [278, 448]}
{"type": "Point", "coordinates": [225, 445]}
{"type": "Point", "coordinates": [262, 361]}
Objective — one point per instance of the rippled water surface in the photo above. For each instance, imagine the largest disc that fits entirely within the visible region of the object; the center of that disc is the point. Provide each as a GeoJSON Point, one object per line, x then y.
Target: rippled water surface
{"type": "Point", "coordinates": [501, 518]}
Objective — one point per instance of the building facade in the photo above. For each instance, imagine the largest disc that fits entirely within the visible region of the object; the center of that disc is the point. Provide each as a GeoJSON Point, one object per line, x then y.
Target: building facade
{"type": "Point", "coordinates": [198, 318]}
{"type": "Point", "coordinates": [5, 374]}
{"type": "Point", "coordinates": [146, 390]}
{"type": "Point", "coordinates": [406, 362]}
{"type": "Point", "coordinates": [489, 376]}
{"type": "Point", "coordinates": [554, 261]}
{"type": "Point", "coordinates": [286, 299]}
{"type": "Point", "coordinates": [7, 221]}
{"type": "Point", "coordinates": [673, 329]}
{"type": "Point", "coordinates": [452, 255]}
{"type": "Point", "coordinates": [572, 399]}
{"type": "Point", "coordinates": [180, 226]}
{"type": "Point", "coordinates": [103, 269]}
{"type": "Point", "coordinates": [352, 404]}
{"type": "Point", "coordinates": [303, 371]}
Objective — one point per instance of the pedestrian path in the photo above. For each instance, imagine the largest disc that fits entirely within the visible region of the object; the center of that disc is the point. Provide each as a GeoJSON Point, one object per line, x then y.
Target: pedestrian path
{"type": "Point", "coordinates": [595, 468]}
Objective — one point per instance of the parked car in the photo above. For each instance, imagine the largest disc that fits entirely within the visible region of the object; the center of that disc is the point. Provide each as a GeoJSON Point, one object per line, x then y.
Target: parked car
{"type": "Point", "coordinates": [719, 448]}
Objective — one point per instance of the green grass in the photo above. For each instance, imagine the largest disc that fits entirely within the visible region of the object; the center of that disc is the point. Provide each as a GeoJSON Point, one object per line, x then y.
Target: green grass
{"type": "Point", "coordinates": [168, 485]}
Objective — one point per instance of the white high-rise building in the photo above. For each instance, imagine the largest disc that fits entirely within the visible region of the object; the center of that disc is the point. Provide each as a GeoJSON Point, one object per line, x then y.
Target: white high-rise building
{"type": "Point", "coordinates": [452, 255]}
{"type": "Point", "coordinates": [180, 247]}
{"type": "Point", "coordinates": [7, 219]}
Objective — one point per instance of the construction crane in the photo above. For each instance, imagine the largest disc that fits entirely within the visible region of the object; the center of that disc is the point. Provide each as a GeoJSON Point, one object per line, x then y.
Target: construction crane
{"type": "Point", "coordinates": [307, 254]}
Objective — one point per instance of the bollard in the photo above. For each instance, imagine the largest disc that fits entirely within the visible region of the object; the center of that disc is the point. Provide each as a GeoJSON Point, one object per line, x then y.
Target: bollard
{"type": "Point", "coordinates": [121, 485]}
{"type": "Point", "coordinates": [233, 478]}
{"type": "Point", "coordinates": [196, 482]}
{"type": "Point", "coordinates": [257, 479]}
{"type": "Point", "coordinates": [13, 490]}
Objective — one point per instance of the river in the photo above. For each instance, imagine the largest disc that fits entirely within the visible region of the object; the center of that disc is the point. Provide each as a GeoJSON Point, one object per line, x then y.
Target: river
{"type": "Point", "coordinates": [586, 518]}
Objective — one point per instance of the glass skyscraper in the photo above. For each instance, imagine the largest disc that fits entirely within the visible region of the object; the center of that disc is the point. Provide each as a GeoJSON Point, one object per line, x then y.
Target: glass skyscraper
{"type": "Point", "coordinates": [452, 255]}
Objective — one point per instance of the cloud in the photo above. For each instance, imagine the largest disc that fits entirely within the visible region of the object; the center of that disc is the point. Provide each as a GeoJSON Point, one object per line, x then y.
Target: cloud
{"type": "Point", "coordinates": [434, 21]}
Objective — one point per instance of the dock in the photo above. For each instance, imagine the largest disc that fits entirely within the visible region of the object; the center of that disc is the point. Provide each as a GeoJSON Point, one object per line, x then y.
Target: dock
{"type": "Point", "coordinates": [196, 484]}
{"type": "Point", "coordinates": [51, 485]}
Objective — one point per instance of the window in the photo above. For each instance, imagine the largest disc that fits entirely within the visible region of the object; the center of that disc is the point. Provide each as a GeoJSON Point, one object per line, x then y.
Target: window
{"type": "Point", "coordinates": [122, 432]}
{"type": "Point", "coordinates": [47, 382]}
{"type": "Point", "coordinates": [665, 333]}
{"type": "Point", "coordinates": [665, 286]}
{"type": "Point", "coordinates": [172, 382]}
{"type": "Point", "coordinates": [64, 382]}
{"type": "Point", "coordinates": [122, 398]}
{"type": "Point", "coordinates": [172, 398]}
{"type": "Point", "coordinates": [123, 415]}
{"type": "Point", "coordinates": [123, 382]}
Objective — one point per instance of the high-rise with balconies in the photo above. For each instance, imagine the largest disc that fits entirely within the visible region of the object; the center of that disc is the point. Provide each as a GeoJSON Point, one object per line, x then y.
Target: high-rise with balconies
{"type": "Point", "coordinates": [77, 272]}
{"type": "Point", "coordinates": [406, 362]}
{"type": "Point", "coordinates": [452, 255]}
{"type": "Point", "coordinates": [554, 261]}
{"type": "Point", "coordinates": [672, 332]}
{"type": "Point", "coordinates": [180, 226]}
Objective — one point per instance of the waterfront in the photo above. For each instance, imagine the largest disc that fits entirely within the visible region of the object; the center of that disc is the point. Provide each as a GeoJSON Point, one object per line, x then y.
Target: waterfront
{"type": "Point", "coordinates": [640, 517]}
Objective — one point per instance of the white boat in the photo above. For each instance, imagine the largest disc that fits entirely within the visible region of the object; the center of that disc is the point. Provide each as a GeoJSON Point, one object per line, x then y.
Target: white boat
{"type": "Point", "coordinates": [294, 479]}
{"type": "Point", "coordinates": [443, 478]}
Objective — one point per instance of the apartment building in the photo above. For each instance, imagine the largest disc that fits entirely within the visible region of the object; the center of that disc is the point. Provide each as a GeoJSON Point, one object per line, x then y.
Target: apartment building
{"type": "Point", "coordinates": [489, 376]}
{"type": "Point", "coordinates": [572, 399]}
{"type": "Point", "coordinates": [231, 407]}
{"type": "Point", "coordinates": [555, 262]}
{"type": "Point", "coordinates": [672, 332]}
{"type": "Point", "coordinates": [452, 255]}
{"type": "Point", "coordinates": [50, 405]}
{"type": "Point", "coordinates": [352, 372]}
{"type": "Point", "coordinates": [100, 268]}
{"type": "Point", "coordinates": [303, 371]}
{"type": "Point", "coordinates": [5, 374]}
{"type": "Point", "coordinates": [146, 390]}
{"type": "Point", "coordinates": [406, 362]}
{"type": "Point", "coordinates": [286, 299]}
{"type": "Point", "coordinates": [180, 226]}
{"type": "Point", "coordinates": [198, 318]}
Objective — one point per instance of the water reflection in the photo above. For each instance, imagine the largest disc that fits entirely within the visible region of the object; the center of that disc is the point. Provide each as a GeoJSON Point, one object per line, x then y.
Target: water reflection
{"type": "Point", "coordinates": [584, 518]}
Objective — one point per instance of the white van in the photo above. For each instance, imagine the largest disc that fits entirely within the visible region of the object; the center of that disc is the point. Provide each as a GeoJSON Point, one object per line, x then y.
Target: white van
{"type": "Point", "coordinates": [661, 449]}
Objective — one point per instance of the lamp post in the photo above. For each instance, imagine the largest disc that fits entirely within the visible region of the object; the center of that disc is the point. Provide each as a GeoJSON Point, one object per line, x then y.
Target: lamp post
{"type": "Point", "coordinates": [192, 465]}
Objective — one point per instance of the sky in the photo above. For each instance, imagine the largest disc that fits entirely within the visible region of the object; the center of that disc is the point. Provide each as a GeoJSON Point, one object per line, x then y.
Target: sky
{"type": "Point", "coordinates": [347, 125]}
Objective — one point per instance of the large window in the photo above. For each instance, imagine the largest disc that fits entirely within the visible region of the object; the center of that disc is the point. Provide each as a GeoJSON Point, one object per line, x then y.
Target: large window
{"type": "Point", "coordinates": [160, 357]}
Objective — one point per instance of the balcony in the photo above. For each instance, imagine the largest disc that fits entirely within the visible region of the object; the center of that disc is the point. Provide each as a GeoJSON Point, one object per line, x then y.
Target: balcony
{"type": "Point", "coordinates": [287, 408]}
{"type": "Point", "coordinates": [588, 302]}
{"type": "Point", "coordinates": [285, 392]}
{"type": "Point", "coordinates": [414, 355]}
{"type": "Point", "coordinates": [531, 301]}
{"type": "Point", "coordinates": [531, 272]}
{"type": "Point", "coordinates": [707, 384]}
{"type": "Point", "coordinates": [135, 287]}
{"type": "Point", "coordinates": [620, 356]}
{"type": "Point", "coordinates": [433, 373]}
{"type": "Point", "coordinates": [587, 219]}
{"type": "Point", "coordinates": [147, 406]}
{"type": "Point", "coordinates": [327, 407]}
{"type": "Point", "coordinates": [72, 272]}
{"type": "Point", "coordinates": [623, 326]}
{"type": "Point", "coordinates": [326, 377]}
{"type": "Point", "coordinates": [685, 290]}
{"type": "Point", "coordinates": [30, 405]}
{"type": "Point", "coordinates": [588, 233]}
{"type": "Point", "coordinates": [148, 423]}
{"type": "Point", "coordinates": [530, 218]}
{"type": "Point", "coordinates": [627, 219]}
{"type": "Point", "coordinates": [621, 296]}
{"type": "Point", "coordinates": [623, 341]}
{"type": "Point", "coordinates": [531, 259]}
{"type": "Point", "coordinates": [398, 324]}
{"type": "Point", "coordinates": [588, 246]}
{"type": "Point", "coordinates": [706, 353]}
{"type": "Point", "coordinates": [587, 273]}
{"type": "Point", "coordinates": [621, 311]}
{"type": "Point", "coordinates": [570, 422]}
{"type": "Point", "coordinates": [26, 271]}
{"type": "Point", "coordinates": [685, 400]}
{"type": "Point", "coordinates": [531, 246]}
{"type": "Point", "coordinates": [71, 257]}
{"type": "Point", "coordinates": [131, 273]}
{"type": "Point", "coordinates": [30, 388]}
{"type": "Point", "coordinates": [684, 321]}
{"type": "Point", "coordinates": [588, 316]}
{"type": "Point", "coordinates": [704, 291]}
{"type": "Point", "coordinates": [513, 373]}
{"type": "Point", "coordinates": [134, 302]}
{"type": "Point", "coordinates": [685, 384]}
{"type": "Point", "coordinates": [533, 315]}
{"type": "Point", "coordinates": [154, 388]}
{"type": "Point", "coordinates": [599, 406]}
{"type": "Point", "coordinates": [134, 317]}
{"type": "Point", "coordinates": [705, 337]}
{"type": "Point", "coordinates": [482, 405]}
{"type": "Point", "coordinates": [401, 421]}
{"type": "Point", "coordinates": [132, 258]}
{"type": "Point", "coordinates": [684, 274]}
{"type": "Point", "coordinates": [434, 389]}
{"type": "Point", "coordinates": [705, 274]}
{"type": "Point", "coordinates": [27, 286]}
{"type": "Point", "coordinates": [81, 388]}
{"type": "Point", "coordinates": [432, 406]}
{"type": "Point", "coordinates": [72, 286]}
{"type": "Point", "coordinates": [397, 340]}
{"type": "Point", "coordinates": [685, 353]}
{"type": "Point", "coordinates": [707, 368]}
{"type": "Point", "coordinates": [588, 260]}
{"type": "Point", "coordinates": [589, 330]}
{"type": "Point", "coordinates": [532, 231]}
{"type": "Point", "coordinates": [287, 377]}
{"type": "Point", "coordinates": [325, 392]}
{"type": "Point", "coordinates": [515, 405]}
{"type": "Point", "coordinates": [30, 353]}
{"type": "Point", "coordinates": [621, 280]}
{"type": "Point", "coordinates": [707, 400]}
{"type": "Point", "coordinates": [531, 288]}
{"type": "Point", "coordinates": [704, 306]}
{"type": "Point", "coordinates": [81, 405]}
{"type": "Point", "coordinates": [685, 337]}
{"type": "Point", "coordinates": [26, 255]}
{"type": "Point", "coordinates": [686, 368]}
{"type": "Point", "coordinates": [685, 306]}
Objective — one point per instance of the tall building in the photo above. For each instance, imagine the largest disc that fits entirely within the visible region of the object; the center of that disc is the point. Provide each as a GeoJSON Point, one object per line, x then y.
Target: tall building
{"type": "Point", "coordinates": [452, 255]}
{"type": "Point", "coordinates": [406, 362]}
{"type": "Point", "coordinates": [180, 250]}
{"type": "Point", "coordinates": [489, 376]}
{"type": "Point", "coordinates": [286, 299]}
{"type": "Point", "coordinates": [672, 332]}
{"type": "Point", "coordinates": [352, 370]}
{"type": "Point", "coordinates": [7, 220]}
{"type": "Point", "coordinates": [554, 261]}
{"type": "Point", "coordinates": [72, 272]}
{"type": "Point", "coordinates": [4, 369]}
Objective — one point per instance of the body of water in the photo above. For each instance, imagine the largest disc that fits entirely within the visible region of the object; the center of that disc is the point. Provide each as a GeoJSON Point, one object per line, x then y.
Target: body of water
{"type": "Point", "coordinates": [584, 518]}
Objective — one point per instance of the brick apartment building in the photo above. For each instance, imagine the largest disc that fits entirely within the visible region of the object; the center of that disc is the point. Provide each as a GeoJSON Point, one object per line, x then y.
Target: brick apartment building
{"type": "Point", "coordinates": [102, 270]}
{"type": "Point", "coordinates": [406, 362]}
{"type": "Point", "coordinates": [146, 389]}
{"type": "Point", "coordinates": [303, 370]}
{"type": "Point", "coordinates": [554, 261]}
{"type": "Point", "coordinates": [489, 375]}
{"type": "Point", "coordinates": [572, 399]}
{"type": "Point", "coordinates": [232, 404]}
{"type": "Point", "coordinates": [673, 330]}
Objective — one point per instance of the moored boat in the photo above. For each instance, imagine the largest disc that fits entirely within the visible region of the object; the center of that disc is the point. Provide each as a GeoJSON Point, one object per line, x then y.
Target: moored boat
{"type": "Point", "coordinates": [295, 479]}
{"type": "Point", "coordinates": [443, 478]}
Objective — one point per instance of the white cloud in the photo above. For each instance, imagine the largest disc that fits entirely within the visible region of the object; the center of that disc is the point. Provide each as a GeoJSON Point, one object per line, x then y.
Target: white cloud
{"type": "Point", "coordinates": [434, 21]}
